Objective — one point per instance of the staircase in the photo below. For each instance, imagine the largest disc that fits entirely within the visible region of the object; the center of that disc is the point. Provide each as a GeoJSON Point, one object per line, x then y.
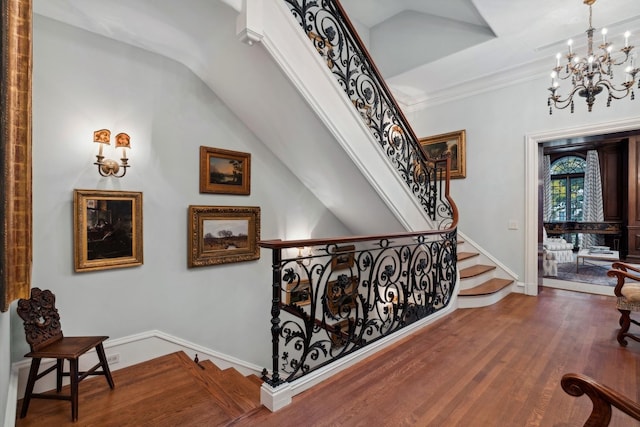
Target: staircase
{"type": "Point", "coordinates": [482, 283]}
{"type": "Point", "coordinates": [236, 394]}
{"type": "Point", "coordinates": [167, 390]}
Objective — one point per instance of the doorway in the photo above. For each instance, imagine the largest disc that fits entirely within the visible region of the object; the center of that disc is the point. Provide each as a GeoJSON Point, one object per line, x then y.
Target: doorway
{"type": "Point", "coordinates": [533, 159]}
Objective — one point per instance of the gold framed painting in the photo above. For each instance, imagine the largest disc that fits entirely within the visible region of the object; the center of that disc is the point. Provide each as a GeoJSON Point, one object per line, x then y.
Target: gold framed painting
{"type": "Point", "coordinates": [452, 143]}
{"type": "Point", "coordinates": [223, 234]}
{"type": "Point", "coordinates": [107, 229]}
{"type": "Point", "coordinates": [224, 171]}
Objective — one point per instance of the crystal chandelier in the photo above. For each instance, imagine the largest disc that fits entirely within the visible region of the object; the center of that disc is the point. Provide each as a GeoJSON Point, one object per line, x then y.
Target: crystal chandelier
{"type": "Point", "coordinates": [592, 74]}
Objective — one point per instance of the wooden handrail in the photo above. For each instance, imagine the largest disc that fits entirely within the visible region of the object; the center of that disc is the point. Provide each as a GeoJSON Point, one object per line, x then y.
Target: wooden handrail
{"type": "Point", "coordinates": [400, 113]}
{"type": "Point", "coordinates": [602, 398]}
{"type": "Point", "coordinates": [283, 244]}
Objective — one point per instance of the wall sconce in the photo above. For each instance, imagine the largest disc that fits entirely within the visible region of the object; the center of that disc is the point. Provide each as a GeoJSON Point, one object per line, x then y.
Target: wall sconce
{"type": "Point", "coordinates": [301, 256]}
{"type": "Point", "coordinates": [108, 167]}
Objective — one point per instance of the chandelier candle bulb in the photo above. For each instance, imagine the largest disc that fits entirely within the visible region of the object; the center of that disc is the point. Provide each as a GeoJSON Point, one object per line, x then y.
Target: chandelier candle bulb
{"type": "Point", "coordinates": [604, 36]}
{"type": "Point", "coordinates": [626, 39]}
{"type": "Point", "coordinates": [570, 43]}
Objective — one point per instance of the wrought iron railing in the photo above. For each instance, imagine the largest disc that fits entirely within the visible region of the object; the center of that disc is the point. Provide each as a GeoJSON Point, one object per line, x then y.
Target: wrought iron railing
{"type": "Point", "coordinates": [334, 37]}
{"type": "Point", "coordinates": [333, 297]}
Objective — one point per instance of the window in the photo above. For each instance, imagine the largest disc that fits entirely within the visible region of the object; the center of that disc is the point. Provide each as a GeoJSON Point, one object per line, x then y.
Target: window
{"type": "Point", "coordinates": [567, 188]}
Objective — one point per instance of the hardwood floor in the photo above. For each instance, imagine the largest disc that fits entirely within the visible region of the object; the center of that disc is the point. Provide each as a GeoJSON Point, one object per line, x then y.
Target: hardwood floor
{"type": "Point", "coordinates": [493, 366]}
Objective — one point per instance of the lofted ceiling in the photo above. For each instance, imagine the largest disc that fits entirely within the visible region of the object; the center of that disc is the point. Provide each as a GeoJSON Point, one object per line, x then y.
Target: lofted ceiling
{"type": "Point", "coordinates": [427, 50]}
{"type": "Point", "coordinates": [431, 49]}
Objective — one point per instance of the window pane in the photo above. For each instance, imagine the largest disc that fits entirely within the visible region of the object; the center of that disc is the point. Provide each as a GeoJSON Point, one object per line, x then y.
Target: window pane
{"type": "Point", "coordinates": [577, 196]}
{"type": "Point", "coordinates": [568, 165]}
{"type": "Point", "coordinates": [559, 199]}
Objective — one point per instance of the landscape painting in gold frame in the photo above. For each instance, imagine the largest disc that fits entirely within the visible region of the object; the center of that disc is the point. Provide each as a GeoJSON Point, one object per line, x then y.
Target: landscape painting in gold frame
{"type": "Point", "coordinates": [224, 171]}
{"type": "Point", "coordinates": [223, 234]}
{"type": "Point", "coordinates": [107, 229]}
{"type": "Point", "coordinates": [438, 146]}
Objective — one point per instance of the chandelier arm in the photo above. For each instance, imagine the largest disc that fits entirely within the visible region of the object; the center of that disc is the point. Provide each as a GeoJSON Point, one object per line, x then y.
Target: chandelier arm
{"type": "Point", "coordinates": [566, 101]}
{"type": "Point", "coordinates": [624, 90]}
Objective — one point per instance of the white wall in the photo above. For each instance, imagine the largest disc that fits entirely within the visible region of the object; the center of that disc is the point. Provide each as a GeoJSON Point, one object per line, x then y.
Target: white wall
{"type": "Point", "coordinates": [496, 122]}
{"type": "Point", "coordinates": [83, 82]}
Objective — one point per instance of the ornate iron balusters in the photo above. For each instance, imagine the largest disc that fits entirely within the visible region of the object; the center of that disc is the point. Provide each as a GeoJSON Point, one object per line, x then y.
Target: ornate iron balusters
{"type": "Point", "coordinates": [335, 40]}
{"type": "Point", "coordinates": [340, 298]}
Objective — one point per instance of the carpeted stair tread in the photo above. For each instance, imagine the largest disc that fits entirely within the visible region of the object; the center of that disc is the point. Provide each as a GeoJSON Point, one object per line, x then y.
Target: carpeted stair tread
{"type": "Point", "coordinates": [489, 287]}
{"type": "Point", "coordinates": [475, 270]}
{"type": "Point", "coordinates": [466, 255]}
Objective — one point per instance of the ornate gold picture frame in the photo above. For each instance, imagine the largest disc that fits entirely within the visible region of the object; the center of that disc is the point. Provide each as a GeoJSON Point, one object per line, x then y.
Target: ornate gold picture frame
{"type": "Point", "coordinates": [107, 229]}
{"type": "Point", "coordinates": [224, 171]}
{"type": "Point", "coordinates": [15, 150]}
{"type": "Point", "coordinates": [223, 234]}
{"type": "Point", "coordinates": [438, 146]}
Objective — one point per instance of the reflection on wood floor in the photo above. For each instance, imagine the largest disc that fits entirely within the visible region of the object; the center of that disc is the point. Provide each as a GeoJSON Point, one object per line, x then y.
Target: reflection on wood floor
{"type": "Point", "coordinates": [494, 366]}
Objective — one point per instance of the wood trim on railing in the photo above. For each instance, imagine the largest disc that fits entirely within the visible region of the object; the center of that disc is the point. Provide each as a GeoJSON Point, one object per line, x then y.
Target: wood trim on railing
{"type": "Point", "coordinates": [283, 244]}
{"type": "Point", "coordinates": [381, 80]}
{"type": "Point", "coordinates": [377, 72]}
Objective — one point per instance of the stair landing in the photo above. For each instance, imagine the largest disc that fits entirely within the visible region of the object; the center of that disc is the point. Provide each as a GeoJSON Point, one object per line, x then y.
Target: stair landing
{"type": "Point", "coordinates": [201, 395]}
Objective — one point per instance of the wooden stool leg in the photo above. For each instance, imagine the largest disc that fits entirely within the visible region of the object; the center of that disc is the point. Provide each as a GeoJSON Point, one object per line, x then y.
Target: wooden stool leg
{"type": "Point", "coordinates": [59, 371]}
{"type": "Point", "coordinates": [625, 323]}
{"type": "Point", "coordinates": [105, 366]}
{"type": "Point", "coordinates": [73, 375]}
{"type": "Point", "coordinates": [33, 375]}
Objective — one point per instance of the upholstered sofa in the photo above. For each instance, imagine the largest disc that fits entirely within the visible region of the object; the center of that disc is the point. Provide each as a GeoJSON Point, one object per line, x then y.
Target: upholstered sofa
{"type": "Point", "coordinates": [559, 247]}
{"type": "Point", "coordinates": [554, 250]}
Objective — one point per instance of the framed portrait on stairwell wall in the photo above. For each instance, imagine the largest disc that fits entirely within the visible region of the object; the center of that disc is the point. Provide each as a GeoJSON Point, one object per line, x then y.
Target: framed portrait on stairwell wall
{"type": "Point", "coordinates": [452, 143]}
{"type": "Point", "coordinates": [107, 229]}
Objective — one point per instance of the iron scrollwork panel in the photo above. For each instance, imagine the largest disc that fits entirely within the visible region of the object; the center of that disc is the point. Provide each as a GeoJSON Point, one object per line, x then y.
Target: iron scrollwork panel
{"type": "Point", "coordinates": [329, 310]}
{"type": "Point", "coordinates": [328, 30]}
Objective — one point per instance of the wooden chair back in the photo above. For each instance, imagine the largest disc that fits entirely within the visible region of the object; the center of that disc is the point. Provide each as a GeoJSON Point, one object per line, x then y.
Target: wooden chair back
{"type": "Point", "coordinates": [41, 319]}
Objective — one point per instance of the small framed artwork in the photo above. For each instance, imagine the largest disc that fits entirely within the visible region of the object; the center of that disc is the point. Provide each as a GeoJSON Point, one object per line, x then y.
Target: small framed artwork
{"type": "Point", "coordinates": [343, 257]}
{"type": "Point", "coordinates": [342, 294]}
{"type": "Point", "coordinates": [223, 234]}
{"type": "Point", "coordinates": [298, 293]}
{"type": "Point", "coordinates": [438, 146]}
{"type": "Point", "coordinates": [224, 171]}
{"type": "Point", "coordinates": [107, 229]}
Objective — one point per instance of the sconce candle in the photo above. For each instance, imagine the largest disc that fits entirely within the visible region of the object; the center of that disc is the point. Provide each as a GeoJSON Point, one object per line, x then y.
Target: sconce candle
{"type": "Point", "coordinates": [108, 167]}
{"type": "Point", "coordinates": [122, 141]}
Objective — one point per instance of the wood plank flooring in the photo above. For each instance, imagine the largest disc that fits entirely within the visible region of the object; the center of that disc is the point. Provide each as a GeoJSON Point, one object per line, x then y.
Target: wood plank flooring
{"type": "Point", "coordinates": [493, 366]}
